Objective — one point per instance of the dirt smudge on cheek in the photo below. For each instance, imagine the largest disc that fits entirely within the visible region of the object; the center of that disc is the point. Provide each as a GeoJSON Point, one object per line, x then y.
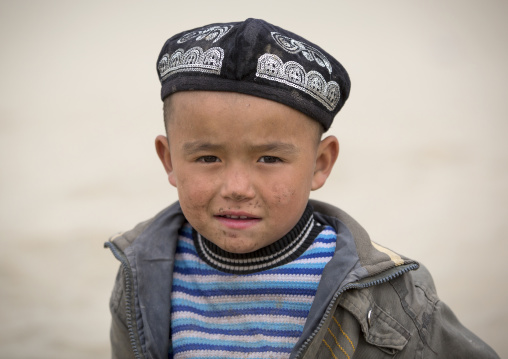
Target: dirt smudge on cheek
{"type": "Point", "coordinates": [282, 194]}
{"type": "Point", "coordinates": [254, 205]}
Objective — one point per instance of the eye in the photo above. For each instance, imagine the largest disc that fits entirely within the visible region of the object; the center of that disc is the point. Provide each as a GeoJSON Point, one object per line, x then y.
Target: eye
{"type": "Point", "coordinates": [208, 159]}
{"type": "Point", "coordinates": [269, 159]}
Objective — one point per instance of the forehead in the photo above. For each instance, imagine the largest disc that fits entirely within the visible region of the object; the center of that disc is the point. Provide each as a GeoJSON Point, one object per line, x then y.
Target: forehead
{"type": "Point", "coordinates": [198, 111]}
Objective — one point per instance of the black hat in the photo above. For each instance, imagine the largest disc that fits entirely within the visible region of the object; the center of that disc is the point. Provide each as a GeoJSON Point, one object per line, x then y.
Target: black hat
{"type": "Point", "coordinates": [255, 58]}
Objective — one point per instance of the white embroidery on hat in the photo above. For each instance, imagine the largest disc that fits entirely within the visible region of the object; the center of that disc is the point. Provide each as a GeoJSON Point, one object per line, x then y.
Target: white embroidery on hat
{"type": "Point", "coordinates": [294, 46]}
{"type": "Point", "coordinates": [194, 59]}
{"type": "Point", "coordinates": [293, 74]}
{"type": "Point", "coordinates": [214, 33]}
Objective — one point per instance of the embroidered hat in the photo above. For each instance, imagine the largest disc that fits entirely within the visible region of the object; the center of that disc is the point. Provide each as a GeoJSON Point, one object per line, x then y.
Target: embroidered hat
{"type": "Point", "coordinates": [255, 58]}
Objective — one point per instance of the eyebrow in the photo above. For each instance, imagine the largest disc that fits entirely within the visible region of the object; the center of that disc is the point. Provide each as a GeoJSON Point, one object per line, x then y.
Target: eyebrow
{"type": "Point", "coordinates": [198, 146]}
{"type": "Point", "coordinates": [279, 147]}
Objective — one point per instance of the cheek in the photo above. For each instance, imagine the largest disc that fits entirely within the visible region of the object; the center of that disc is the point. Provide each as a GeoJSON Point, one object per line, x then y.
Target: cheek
{"type": "Point", "coordinates": [290, 194]}
{"type": "Point", "coordinates": [282, 194]}
{"type": "Point", "coordinates": [194, 204]}
{"type": "Point", "coordinates": [194, 193]}
{"type": "Point", "coordinates": [292, 188]}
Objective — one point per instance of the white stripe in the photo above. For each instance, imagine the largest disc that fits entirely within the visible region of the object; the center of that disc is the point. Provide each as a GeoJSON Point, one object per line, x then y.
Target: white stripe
{"type": "Point", "coordinates": [328, 231]}
{"type": "Point", "coordinates": [186, 240]}
{"type": "Point", "coordinates": [188, 257]}
{"type": "Point", "coordinates": [243, 298]}
{"type": "Point", "coordinates": [226, 354]}
{"type": "Point", "coordinates": [312, 260]}
{"type": "Point", "coordinates": [321, 245]}
{"type": "Point", "coordinates": [238, 338]}
{"type": "Point", "coordinates": [283, 319]}
{"type": "Point", "coordinates": [243, 279]}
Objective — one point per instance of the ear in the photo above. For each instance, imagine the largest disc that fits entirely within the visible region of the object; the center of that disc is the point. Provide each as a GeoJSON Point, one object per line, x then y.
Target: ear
{"type": "Point", "coordinates": [162, 148]}
{"type": "Point", "coordinates": [327, 154]}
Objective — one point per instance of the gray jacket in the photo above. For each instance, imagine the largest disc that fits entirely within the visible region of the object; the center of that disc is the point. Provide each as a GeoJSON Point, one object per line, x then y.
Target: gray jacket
{"type": "Point", "coordinates": [370, 303]}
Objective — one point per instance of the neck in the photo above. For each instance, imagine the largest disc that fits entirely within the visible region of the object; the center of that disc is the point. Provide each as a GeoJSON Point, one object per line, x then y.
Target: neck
{"type": "Point", "coordinates": [282, 251]}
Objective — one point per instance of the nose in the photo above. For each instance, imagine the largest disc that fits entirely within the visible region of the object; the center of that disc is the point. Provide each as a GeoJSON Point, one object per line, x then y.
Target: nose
{"type": "Point", "coordinates": [237, 184]}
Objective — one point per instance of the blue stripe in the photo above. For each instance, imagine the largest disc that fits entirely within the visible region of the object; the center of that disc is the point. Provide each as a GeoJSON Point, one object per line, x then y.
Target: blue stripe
{"type": "Point", "coordinates": [181, 267]}
{"type": "Point", "coordinates": [244, 305]}
{"type": "Point", "coordinates": [183, 249]}
{"type": "Point", "coordinates": [238, 329]}
{"type": "Point", "coordinates": [261, 284]}
{"type": "Point", "coordinates": [186, 231]}
{"type": "Point", "coordinates": [245, 291]}
{"type": "Point", "coordinates": [255, 327]}
{"type": "Point", "coordinates": [214, 313]}
{"type": "Point", "coordinates": [288, 267]}
{"type": "Point", "coordinates": [314, 254]}
{"type": "Point", "coordinates": [298, 265]}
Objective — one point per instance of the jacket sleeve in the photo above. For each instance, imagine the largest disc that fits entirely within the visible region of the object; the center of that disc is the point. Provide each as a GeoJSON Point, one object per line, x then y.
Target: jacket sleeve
{"type": "Point", "coordinates": [119, 333]}
{"type": "Point", "coordinates": [450, 339]}
{"type": "Point", "coordinates": [441, 331]}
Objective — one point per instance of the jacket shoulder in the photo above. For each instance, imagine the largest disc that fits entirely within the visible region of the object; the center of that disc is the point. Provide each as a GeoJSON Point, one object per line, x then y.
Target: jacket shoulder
{"type": "Point", "coordinates": [123, 240]}
{"type": "Point", "coordinates": [373, 257]}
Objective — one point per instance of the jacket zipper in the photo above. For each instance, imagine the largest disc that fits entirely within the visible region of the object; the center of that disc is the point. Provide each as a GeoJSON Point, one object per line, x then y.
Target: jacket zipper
{"type": "Point", "coordinates": [128, 297]}
{"type": "Point", "coordinates": [355, 285]}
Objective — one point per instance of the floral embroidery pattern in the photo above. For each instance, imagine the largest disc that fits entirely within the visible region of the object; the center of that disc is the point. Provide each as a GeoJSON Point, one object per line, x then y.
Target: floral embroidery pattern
{"type": "Point", "coordinates": [294, 46]}
{"type": "Point", "coordinates": [293, 74]}
{"type": "Point", "coordinates": [214, 33]}
{"type": "Point", "coordinates": [194, 59]}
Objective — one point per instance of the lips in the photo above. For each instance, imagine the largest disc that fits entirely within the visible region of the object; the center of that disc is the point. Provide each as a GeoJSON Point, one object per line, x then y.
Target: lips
{"type": "Point", "coordinates": [236, 217]}
{"type": "Point", "coordinates": [237, 220]}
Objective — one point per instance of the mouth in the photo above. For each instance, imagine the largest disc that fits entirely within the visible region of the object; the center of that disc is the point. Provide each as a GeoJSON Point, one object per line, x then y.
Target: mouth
{"type": "Point", "coordinates": [237, 220]}
{"type": "Point", "coordinates": [235, 217]}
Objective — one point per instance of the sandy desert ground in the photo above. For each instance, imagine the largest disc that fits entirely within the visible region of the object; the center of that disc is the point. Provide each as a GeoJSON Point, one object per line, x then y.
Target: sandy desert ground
{"type": "Point", "coordinates": [423, 163]}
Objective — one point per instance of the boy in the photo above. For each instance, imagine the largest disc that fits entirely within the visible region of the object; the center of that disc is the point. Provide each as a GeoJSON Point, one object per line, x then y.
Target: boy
{"type": "Point", "coordinates": [244, 265]}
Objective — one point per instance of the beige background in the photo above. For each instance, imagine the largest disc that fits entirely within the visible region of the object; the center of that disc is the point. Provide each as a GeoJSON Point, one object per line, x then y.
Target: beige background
{"type": "Point", "coordinates": [423, 162]}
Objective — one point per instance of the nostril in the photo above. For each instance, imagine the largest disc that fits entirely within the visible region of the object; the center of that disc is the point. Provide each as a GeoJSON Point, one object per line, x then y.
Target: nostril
{"type": "Point", "coordinates": [238, 196]}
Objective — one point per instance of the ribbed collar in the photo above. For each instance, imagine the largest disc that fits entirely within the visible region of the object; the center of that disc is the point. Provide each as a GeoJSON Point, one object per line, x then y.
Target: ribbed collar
{"type": "Point", "coordinates": [283, 251]}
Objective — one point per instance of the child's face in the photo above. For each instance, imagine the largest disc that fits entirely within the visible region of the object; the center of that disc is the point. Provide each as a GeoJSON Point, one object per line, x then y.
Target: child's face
{"type": "Point", "coordinates": [243, 166]}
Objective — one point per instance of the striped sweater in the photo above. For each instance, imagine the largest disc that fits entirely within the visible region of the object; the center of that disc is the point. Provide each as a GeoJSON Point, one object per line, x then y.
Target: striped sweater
{"type": "Point", "coordinates": [261, 314]}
